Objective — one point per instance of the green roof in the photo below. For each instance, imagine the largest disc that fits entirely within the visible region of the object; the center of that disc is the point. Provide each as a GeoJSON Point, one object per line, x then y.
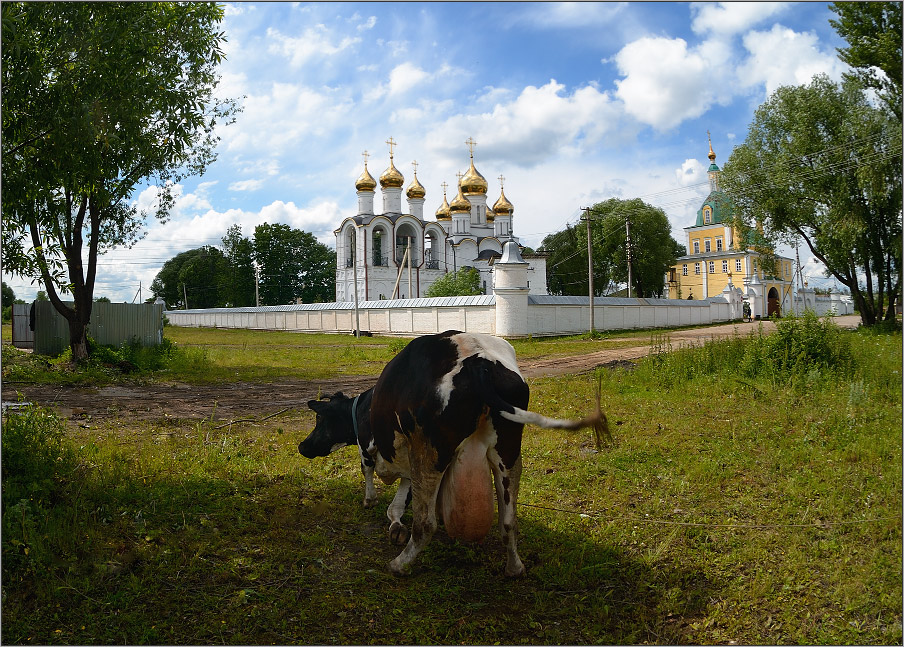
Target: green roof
{"type": "Point", "coordinates": [721, 205]}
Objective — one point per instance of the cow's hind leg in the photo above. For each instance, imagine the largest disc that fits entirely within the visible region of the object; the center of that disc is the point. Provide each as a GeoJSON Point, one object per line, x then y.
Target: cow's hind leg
{"type": "Point", "coordinates": [425, 482]}
{"type": "Point", "coordinates": [507, 482]}
{"type": "Point", "coordinates": [398, 533]}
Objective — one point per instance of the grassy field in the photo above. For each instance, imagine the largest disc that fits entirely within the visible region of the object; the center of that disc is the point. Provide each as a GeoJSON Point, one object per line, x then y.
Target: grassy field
{"type": "Point", "coordinates": [218, 355]}
{"type": "Point", "coordinates": [752, 494]}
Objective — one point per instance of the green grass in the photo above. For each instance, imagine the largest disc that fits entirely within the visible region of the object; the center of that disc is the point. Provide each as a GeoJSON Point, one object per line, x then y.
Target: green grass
{"type": "Point", "coordinates": [208, 355]}
{"type": "Point", "coordinates": [757, 510]}
{"type": "Point", "coordinates": [203, 355]}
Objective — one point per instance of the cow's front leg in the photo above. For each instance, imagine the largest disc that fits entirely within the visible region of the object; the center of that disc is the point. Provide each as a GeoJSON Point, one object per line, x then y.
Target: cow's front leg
{"type": "Point", "coordinates": [425, 482]}
{"type": "Point", "coordinates": [398, 533]}
{"type": "Point", "coordinates": [507, 483]}
{"type": "Point", "coordinates": [367, 469]}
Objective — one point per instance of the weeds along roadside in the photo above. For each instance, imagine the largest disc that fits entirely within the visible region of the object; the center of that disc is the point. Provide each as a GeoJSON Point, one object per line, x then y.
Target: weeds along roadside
{"type": "Point", "coordinates": [116, 537]}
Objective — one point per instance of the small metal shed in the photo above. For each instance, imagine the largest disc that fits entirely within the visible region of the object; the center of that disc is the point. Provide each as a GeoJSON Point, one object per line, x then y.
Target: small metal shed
{"type": "Point", "coordinates": [111, 324]}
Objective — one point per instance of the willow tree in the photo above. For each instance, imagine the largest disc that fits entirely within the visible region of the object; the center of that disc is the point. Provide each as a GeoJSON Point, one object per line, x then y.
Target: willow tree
{"type": "Point", "coordinates": [98, 100]}
{"type": "Point", "coordinates": [822, 163]}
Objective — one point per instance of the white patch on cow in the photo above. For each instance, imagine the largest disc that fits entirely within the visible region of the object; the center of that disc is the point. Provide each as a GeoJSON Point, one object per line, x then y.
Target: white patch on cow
{"type": "Point", "coordinates": [398, 468]}
{"type": "Point", "coordinates": [489, 347]}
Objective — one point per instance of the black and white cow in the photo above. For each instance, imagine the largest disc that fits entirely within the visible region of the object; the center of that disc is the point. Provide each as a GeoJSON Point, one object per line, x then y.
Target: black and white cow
{"type": "Point", "coordinates": [447, 411]}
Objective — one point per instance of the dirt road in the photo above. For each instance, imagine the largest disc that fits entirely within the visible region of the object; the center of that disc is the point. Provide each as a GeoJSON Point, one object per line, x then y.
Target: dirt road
{"type": "Point", "coordinates": [225, 402]}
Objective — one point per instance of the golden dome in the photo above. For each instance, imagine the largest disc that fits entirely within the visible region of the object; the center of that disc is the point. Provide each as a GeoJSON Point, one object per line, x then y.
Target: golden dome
{"type": "Point", "coordinates": [491, 215]}
{"type": "Point", "coordinates": [443, 212]}
{"type": "Point", "coordinates": [416, 189]}
{"type": "Point", "coordinates": [473, 182]}
{"type": "Point", "coordinates": [503, 207]}
{"type": "Point", "coordinates": [391, 177]}
{"type": "Point", "coordinates": [460, 204]}
{"type": "Point", "coordinates": [365, 181]}
{"type": "Point", "coordinates": [712, 154]}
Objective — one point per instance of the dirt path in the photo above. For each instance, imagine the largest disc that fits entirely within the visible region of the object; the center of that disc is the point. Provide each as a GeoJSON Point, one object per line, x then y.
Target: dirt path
{"type": "Point", "coordinates": [225, 402]}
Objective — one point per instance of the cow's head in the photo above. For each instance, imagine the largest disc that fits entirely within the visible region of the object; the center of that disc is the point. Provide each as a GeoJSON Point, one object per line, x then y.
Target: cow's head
{"type": "Point", "coordinates": [333, 429]}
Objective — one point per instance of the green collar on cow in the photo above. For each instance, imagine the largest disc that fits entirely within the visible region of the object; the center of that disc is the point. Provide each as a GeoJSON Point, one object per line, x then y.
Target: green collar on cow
{"type": "Point", "coordinates": [355, 415]}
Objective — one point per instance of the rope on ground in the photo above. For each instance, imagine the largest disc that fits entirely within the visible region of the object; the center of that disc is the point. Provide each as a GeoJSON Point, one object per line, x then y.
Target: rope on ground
{"type": "Point", "coordinates": [815, 524]}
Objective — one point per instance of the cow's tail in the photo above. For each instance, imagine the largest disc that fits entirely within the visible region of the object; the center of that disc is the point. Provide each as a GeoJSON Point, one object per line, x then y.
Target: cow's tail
{"type": "Point", "coordinates": [597, 421]}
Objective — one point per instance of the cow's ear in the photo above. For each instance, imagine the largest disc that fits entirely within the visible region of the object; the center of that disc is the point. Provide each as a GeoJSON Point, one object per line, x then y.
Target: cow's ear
{"type": "Point", "coordinates": [316, 405]}
{"type": "Point", "coordinates": [338, 395]}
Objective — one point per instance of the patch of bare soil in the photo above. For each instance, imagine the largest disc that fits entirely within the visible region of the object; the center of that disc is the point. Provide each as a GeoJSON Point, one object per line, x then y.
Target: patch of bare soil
{"type": "Point", "coordinates": [244, 400]}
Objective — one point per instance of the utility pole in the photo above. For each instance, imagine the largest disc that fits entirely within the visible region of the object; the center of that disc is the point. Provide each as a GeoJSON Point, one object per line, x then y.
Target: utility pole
{"type": "Point", "coordinates": [185, 295]}
{"type": "Point", "coordinates": [257, 280]}
{"type": "Point", "coordinates": [628, 249]}
{"type": "Point", "coordinates": [588, 219]}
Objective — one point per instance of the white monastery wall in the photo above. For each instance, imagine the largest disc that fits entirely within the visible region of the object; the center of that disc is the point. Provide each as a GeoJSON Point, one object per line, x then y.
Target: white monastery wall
{"type": "Point", "coordinates": [539, 315]}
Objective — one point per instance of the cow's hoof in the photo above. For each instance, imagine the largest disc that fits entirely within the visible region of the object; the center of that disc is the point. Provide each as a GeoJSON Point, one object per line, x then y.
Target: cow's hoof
{"type": "Point", "coordinates": [369, 503]}
{"type": "Point", "coordinates": [398, 533]}
{"type": "Point", "coordinates": [396, 568]}
{"type": "Point", "coordinates": [514, 570]}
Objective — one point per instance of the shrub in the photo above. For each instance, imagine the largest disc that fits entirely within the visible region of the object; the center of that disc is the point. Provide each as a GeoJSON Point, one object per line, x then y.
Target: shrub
{"type": "Point", "coordinates": [799, 351]}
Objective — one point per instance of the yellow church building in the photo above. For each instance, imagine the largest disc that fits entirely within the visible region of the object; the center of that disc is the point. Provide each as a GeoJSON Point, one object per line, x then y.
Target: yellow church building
{"type": "Point", "coordinates": [719, 255]}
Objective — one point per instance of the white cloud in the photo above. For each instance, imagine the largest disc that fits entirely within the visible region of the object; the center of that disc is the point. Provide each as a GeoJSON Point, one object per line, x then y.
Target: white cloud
{"type": "Point", "coordinates": [283, 117]}
{"type": "Point", "coordinates": [370, 23]}
{"type": "Point", "coordinates": [231, 9]}
{"type": "Point", "coordinates": [539, 123]}
{"type": "Point", "coordinates": [246, 185]}
{"type": "Point", "coordinates": [665, 82]}
{"type": "Point", "coordinates": [185, 203]}
{"type": "Point", "coordinates": [782, 56]}
{"type": "Point", "coordinates": [404, 77]}
{"type": "Point", "coordinates": [569, 14]}
{"type": "Point", "coordinates": [314, 43]}
{"type": "Point", "coordinates": [727, 18]}
{"type": "Point", "coordinates": [691, 172]}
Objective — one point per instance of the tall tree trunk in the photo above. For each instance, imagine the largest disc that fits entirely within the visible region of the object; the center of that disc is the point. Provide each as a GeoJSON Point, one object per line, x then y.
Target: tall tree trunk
{"type": "Point", "coordinates": [78, 340]}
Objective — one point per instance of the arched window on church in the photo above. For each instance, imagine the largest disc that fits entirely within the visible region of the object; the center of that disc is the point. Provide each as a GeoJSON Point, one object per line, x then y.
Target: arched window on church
{"type": "Point", "coordinates": [406, 238]}
{"type": "Point", "coordinates": [432, 254]}
{"type": "Point", "coordinates": [707, 215]}
{"type": "Point", "coordinates": [350, 247]}
{"type": "Point", "coordinates": [378, 243]}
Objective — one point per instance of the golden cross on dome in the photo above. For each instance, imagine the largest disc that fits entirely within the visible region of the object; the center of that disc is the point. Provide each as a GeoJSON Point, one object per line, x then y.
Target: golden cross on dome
{"type": "Point", "coordinates": [501, 181]}
{"type": "Point", "coordinates": [391, 143]}
{"type": "Point", "coordinates": [365, 155]}
{"type": "Point", "coordinates": [414, 164]}
{"type": "Point", "coordinates": [444, 185]}
{"type": "Point", "coordinates": [459, 175]}
{"type": "Point", "coordinates": [471, 144]}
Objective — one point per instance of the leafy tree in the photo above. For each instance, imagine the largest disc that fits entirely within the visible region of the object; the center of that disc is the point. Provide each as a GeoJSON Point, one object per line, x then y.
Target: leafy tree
{"type": "Point", "coordinates": [41, 296]}
{"type": "Point", "coordinates": [239, 254]}
{"type": "Point", "coordinates": [293, 264]}
{"type": "Point", "coordinates": [566, 266]}
{"type": "Point", "coordinates": [873, 33]}
{"type": "Point", "coordinates": [198, 274]}
{"type": "Point", "coordinates": [102, 300]}
{"type": "Point", "coordinates": [7, 296]}
{"type": "Point", "coordinates": [99, 99]}
{"type": "Point", "coordinates": [823, 164]}
{"type": "Point", "coordinates": [465, 282]}
{"type": "Point", "coordinates": [653, 250]}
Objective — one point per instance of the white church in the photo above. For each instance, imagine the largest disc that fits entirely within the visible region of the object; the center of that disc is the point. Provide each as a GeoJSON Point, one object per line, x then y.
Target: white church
{"type": "Point", "coordinates": [398, 254]}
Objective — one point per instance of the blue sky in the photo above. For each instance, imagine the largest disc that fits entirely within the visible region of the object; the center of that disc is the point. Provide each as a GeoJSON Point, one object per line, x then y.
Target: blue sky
{"type": "Point", "coordinates": [572, 103]}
